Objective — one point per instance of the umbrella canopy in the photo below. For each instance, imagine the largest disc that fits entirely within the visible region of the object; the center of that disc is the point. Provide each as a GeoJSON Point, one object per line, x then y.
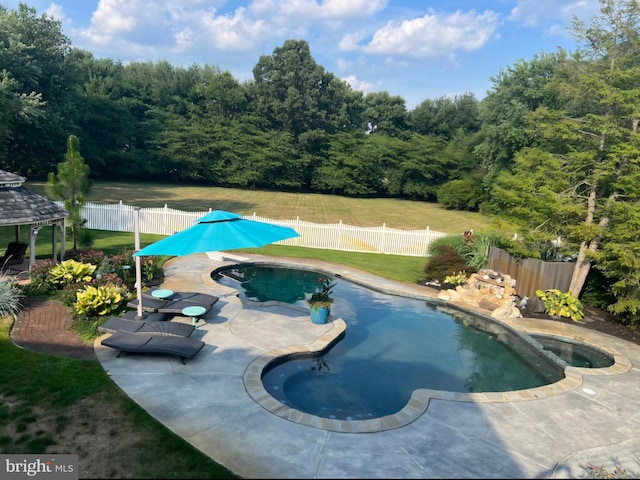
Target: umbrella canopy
{"type": "Point", "coordinates": [219, 230]}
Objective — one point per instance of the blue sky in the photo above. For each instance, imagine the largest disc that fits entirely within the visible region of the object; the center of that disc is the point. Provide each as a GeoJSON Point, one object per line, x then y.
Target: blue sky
{"type": "Point", "coordinates": [418, 50]}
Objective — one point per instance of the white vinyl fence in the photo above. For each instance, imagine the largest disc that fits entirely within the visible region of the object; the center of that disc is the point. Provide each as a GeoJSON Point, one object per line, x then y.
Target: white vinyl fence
{"type": "Point", "coordinates": [333, 236]}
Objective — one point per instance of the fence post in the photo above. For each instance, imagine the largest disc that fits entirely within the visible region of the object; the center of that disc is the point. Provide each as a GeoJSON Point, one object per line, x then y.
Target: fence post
{"type": "Point", "coordinates": [428, 241]}
{"type": "Point", "coordinates": [383, 240]}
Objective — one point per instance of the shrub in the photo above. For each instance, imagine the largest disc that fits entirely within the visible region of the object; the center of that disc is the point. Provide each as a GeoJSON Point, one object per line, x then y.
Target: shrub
{"type": "Point", "coordinates": [447, 262]}
{"type": "Point", "coordinates": [101, 300]}
{"type": "Point", "coordinates": [71, 271]}
{"type": "Point", "coordinates": [151, 268]}
{"type": "Point", "coordinates": [473, 248]}
{"type": "Point", "coordinates": [124, 266]}
{"type": "Point", "coordinates": [11, 296]}
{"type": "Point", "coordinates": [68, 293]}
{"type": "Point", "coordinates": [40, 278]}
{"type": "Point", "coordinates": [92, 256]}
{"type": "Point", "coordinates": [561, 304]}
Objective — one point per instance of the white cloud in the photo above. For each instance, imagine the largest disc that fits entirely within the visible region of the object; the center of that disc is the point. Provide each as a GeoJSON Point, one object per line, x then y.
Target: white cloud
{"type": "Point", "coordinates": [309, 10]}
{"type": "Point", "coordinates": [350, 42]}
{"type": "Point", "coordinates": [234, 32]}
{"type": "Point", "coordinates": [362, 86]}
{"type": "Point", "coordinates": [114, 16]}
{"type": "Point", "coordinates": [57, 12]}
{"type": "Point", "coordinates": [433, 35]}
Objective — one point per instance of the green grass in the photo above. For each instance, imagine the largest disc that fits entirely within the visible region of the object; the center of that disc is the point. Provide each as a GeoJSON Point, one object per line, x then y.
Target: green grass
{"type": "Point", "coordinates": [31, 382]}
{"type": "Point", "coordinates": [310, 207]}
{"type": "Point", "coordinates": [401, 214]}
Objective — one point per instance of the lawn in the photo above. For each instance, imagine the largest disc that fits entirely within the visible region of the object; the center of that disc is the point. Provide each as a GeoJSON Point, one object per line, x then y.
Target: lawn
{"type": "Point", "coordinates": [310, 207]}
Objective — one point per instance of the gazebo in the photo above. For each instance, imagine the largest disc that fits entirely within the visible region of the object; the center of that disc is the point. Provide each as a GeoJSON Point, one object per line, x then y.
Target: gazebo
{"type": "Point", "coordinates": [20, 206]}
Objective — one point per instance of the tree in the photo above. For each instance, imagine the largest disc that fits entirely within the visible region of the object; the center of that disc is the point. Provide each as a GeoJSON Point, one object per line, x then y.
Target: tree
{"type": "Point", "coordinates": [445, 116]}
{"type": "Point", "coordinates": [296, 95]}
{"type": "Point", "coordinates": [34, 58]}
{"type": "Point", "coordinates": [592, 196]}
{"type": "Point", "coordinates": [517, 91]}
{"type": "Point", "coordinates": [71, 184]}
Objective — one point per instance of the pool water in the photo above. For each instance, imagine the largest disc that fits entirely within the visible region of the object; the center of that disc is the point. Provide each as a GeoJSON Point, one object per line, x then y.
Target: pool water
{"type": "Point", "coordinates": [392, 346]}
{"type": "Point", "coordinates": [574, 353]}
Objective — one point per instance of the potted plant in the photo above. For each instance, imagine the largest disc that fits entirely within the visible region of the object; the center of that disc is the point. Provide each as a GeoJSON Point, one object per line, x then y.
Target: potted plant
{"type": "Point", "coordinates": [320, 301]}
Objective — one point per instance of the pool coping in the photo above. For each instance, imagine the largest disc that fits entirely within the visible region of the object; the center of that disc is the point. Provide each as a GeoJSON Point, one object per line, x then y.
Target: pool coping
{"type": "Point", "coordinates": [419, 401]}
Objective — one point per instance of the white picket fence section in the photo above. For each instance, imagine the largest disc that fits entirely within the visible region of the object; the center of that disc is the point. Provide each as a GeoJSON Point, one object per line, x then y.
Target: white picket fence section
{"type": "Point", "coordinates": [119, 217]}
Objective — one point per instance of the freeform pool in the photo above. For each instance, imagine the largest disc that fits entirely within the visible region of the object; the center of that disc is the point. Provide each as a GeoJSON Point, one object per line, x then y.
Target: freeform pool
{"type": "Point", "coordinates": [392, 346]}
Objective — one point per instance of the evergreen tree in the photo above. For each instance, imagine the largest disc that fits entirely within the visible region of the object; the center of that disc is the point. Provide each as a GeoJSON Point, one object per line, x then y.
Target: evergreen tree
{"type": "Point", "coordinates": [71, 185]}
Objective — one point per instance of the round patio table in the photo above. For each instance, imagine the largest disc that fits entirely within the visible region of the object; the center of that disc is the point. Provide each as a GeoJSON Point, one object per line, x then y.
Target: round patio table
{"type": "Point", "coordinates": [194, 312]}
{"type": "Point", "coordinates": [162, 293]}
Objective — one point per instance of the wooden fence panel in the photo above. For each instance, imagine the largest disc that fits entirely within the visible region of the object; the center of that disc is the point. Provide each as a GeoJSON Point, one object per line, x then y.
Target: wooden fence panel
{"type": "Point", "coordinates": [531, 274]}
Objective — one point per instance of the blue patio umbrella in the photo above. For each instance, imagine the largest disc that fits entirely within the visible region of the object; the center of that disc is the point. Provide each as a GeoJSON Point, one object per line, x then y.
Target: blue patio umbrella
{"type": "Point", "coordinates": [217, 230]}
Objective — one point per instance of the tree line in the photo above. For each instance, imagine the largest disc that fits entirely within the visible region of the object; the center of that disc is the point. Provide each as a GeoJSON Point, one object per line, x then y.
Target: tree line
{"type": "Point", "coordinates": [551, 152]}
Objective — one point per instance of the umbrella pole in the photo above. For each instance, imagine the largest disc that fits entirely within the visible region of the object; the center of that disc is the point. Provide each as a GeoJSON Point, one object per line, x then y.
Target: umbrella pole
{"type": "Point", "coordinates": [138, 266]}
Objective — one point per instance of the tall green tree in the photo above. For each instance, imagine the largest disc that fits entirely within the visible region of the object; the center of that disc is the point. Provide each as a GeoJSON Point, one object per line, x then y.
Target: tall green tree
{"type": "Point", "coordinates": [71, 184]}
{"type": "Point", "coordinates": [600, 128]}
{"type": "Point", "coordinates": [446, 116]}
{"type": "Point", "coordinates": [595, 139]}
{"type": "Point", "coordinates": [34, 59]}
{"type": "Point", "coordinates": [296, 94]}
{"type": "Point", "coordinates": [517, 91]}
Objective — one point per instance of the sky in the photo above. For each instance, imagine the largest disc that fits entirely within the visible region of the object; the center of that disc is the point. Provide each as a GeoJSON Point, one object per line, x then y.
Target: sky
{"type": "Point", "coordinates": [416, 49]}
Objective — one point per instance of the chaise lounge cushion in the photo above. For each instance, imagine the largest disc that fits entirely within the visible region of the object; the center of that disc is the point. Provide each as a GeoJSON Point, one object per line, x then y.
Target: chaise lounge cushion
{"type": "Point", "coordinates": [149, 304]}
{"type": "Point", "coordinates": [174, 304]}
{"type": "Point", "coordinates": [150, 327]}
{"type": "Point", "coordinates": [148, 316]}
{"type": "Point", "coordinates": [202, 300]}
{"type": "Point", "coordinates": [181, 347]}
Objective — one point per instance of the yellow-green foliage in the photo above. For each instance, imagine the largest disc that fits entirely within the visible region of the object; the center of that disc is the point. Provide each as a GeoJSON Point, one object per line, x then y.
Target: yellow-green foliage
{"type": "Point", "coordinates": [561, 304]}
{"type": "Point", "coordinates": [457, 279]}
{"type": "Point", "coordinates": [101, 300]}
{"type": "Point", "coordinates": [71, 271]}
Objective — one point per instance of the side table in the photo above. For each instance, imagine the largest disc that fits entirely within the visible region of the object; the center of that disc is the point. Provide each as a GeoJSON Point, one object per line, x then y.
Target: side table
{"type": "Point", "coordinates": [194, 312]}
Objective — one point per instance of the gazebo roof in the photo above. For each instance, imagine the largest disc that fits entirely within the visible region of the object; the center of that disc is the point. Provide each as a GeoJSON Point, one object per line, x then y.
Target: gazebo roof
{"type": "Point", "coordinates": [20, 206]}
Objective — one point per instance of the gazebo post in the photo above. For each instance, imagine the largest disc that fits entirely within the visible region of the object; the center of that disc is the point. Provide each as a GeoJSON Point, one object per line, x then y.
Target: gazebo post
{"type": "Point", "coordinates": [33, 233]}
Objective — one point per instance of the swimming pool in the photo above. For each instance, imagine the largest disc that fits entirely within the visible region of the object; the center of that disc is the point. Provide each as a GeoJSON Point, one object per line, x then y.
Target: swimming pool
{"type": "Point", "coordinates": [392, 346]}
{"type": "Point", "coordinates": [574, 353]}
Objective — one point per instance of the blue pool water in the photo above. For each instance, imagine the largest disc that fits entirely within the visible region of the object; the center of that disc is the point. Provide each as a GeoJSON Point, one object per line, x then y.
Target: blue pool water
{"type": "Point", "coordinates": [574, 353]}
{"type": "Point", "coordinates": [392, 346]}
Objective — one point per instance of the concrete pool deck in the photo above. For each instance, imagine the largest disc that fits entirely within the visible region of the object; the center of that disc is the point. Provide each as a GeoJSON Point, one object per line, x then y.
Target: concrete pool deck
{"type": "Point", "coordinates": [590, 418]}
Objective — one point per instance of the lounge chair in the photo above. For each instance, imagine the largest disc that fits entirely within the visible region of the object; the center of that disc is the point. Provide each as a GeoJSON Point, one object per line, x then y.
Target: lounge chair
{"type": "Point", "coordinates": [176, 307]}
{"type": "Point", "coordinates": [14, 254]}
{"type": "Point", "coordinates": [148, 316]}
{"type": "Point", "coordinates": [149, 327]}
{"type": "Point", "coordinates": [182, 347]}
{"type": "Point", "coordinates": [174, 304]}
{"type": "Point", "coordinates": [149, 303]}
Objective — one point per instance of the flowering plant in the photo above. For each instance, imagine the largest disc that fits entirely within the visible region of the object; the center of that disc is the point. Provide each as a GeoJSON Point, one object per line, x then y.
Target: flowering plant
{"type": "Point", "coordinates": [322, 296]}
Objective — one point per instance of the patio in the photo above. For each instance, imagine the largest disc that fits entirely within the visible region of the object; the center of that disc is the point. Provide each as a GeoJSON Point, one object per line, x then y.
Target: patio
{"type": "Point", "coordinates": [553, 434]}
